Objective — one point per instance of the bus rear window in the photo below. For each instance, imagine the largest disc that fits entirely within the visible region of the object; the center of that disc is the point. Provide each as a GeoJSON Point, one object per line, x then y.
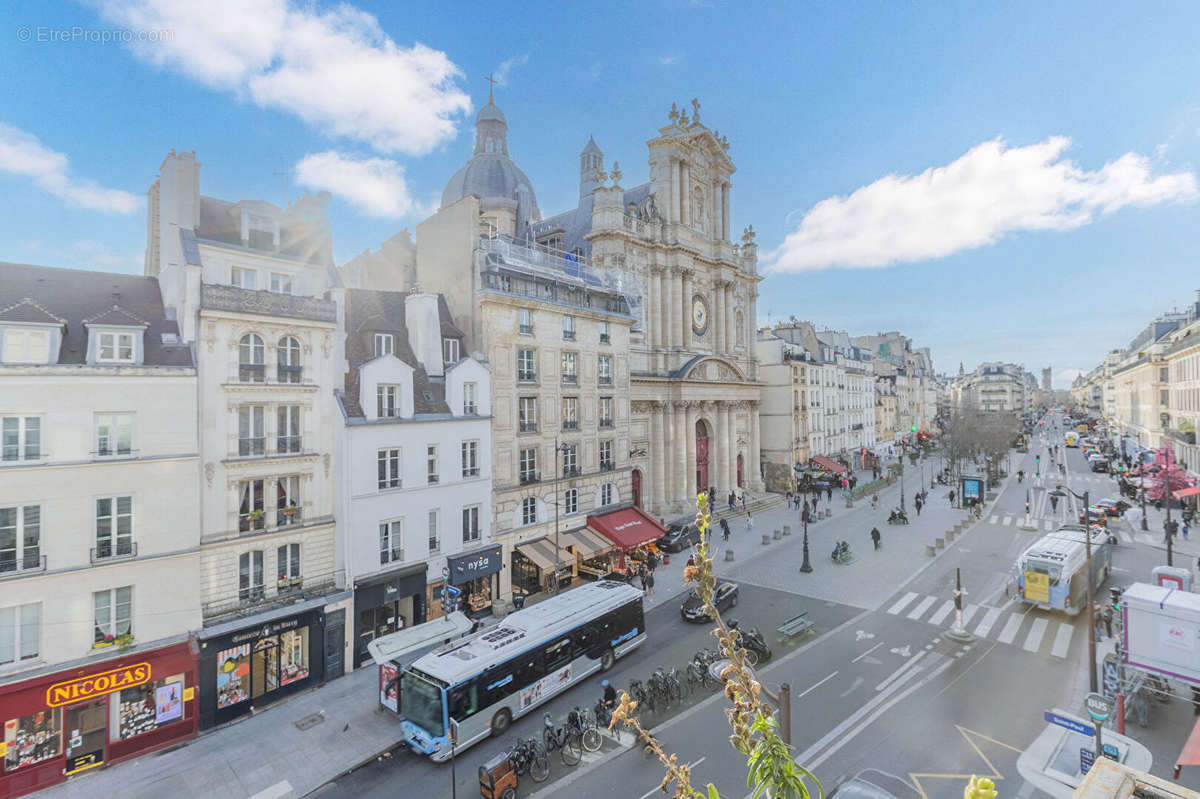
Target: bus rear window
{"type": "Point", "coordinates": [1054, 570]}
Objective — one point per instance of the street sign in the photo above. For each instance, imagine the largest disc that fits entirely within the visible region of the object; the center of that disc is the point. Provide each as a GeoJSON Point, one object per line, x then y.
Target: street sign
{"type": "Point", "coordinates": [451, 590]}
{"type": "Point", "coordinates": [1098, 706]}
{"type": "Point", "coordinates": [1111, 752]}
{"type": "Point", "coordinates": [1070, 724]}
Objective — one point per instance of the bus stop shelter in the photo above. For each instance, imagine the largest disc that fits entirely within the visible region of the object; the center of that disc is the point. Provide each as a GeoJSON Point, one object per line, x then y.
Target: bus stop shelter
{"type": "Point", "coordinates": [394, 651]}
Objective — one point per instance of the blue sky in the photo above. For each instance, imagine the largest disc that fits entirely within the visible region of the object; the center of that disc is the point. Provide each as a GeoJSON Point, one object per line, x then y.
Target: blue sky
{"type": "Point", "coordinates": [1013, 182]}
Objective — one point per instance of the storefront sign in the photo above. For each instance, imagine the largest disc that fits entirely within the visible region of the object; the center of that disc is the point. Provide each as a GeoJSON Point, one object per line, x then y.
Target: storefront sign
{"type": "Point", "coordinates": [274, 628]}
{"type": "Point", "coordinates": [477, 564]}
{"type": "Point", "coordinates": [79, 763]}
{"type": "Point", "coordinates": [65, 693]}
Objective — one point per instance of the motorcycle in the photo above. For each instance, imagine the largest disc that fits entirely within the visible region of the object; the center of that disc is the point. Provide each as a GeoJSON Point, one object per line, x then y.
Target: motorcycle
{"type": "Point", "coordinates": [898, 517]}
{"type": "Point", "coordinates": [752, 641]}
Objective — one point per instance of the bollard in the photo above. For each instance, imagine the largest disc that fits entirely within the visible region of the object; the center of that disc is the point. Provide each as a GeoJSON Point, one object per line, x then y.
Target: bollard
{"type": "Point", "coordinates": [787, 529]}
{"type": "Point", "coordinates": [940, 543]}
{"type": "Point", "coordinates": [950, 535]}
{"type": "Point", "coordinates": [930, 550]}
{"type": "Point", "coordinates": [766, 539]}
{"type": "Point", "coordinates": [828, 513]}
{"type": "Point", "coordinates": [778, 535]}
{"type": "Point", "coordinates": [729, 554]}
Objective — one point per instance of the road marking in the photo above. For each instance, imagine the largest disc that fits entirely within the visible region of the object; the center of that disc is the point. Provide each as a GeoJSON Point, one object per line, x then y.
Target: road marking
{"type": "Point", "coordinates": [818, 685]}
{"type": "Point", "coordinates": [1010, 629]}
{"type": "Point", "coordinates": [942, 612]}
{"type": "Point", "coordinates": [1062, 641]}
{"type": "Point", "coordinates": [995, 519]}
{"type": "Point", "coordinates": [863, 635]}
{"type": "Point", "coordinates": [968, 612]}
{"type": "Point", "coordinates": [869, 651]}
{"type": "Point", "coordinates": [923, 606]}
{"type": "Point", "coordinates": [904, 600]}
{"type": "Point", "coordinates": [1007, 520]}
{"type": "Point", "coordinates": [857, 682]}
{"type": "Point", "coordinates": [281, 788]}
{"type": "Point", "coordinates": [896, 674]}
{"type": "Point", "coordinates": [989, 619]}
{"type": "Point", "coordinates": [1034, 639]}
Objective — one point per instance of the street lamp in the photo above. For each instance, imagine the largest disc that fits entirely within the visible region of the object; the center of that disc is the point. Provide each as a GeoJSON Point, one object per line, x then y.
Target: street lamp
{"type": "Point", "coordinates": [1087, 537]}
{"type": "Point", "coordinates": [559, 449]}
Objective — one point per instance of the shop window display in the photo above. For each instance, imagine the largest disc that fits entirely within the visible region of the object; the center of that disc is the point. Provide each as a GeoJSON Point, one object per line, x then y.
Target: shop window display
{"type": "Point", "coordinates": [293, 655]}
{"type": "Point", "coordinates": [147, 707]}
{"type": "Point", "coordinates": [233, 676]}
{"type": "Point", "coordinates": [32, 739]}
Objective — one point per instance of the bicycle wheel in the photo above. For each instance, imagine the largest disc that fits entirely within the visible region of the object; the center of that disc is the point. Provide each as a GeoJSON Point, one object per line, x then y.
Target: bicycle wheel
{"type": "Point", "coordinates": [676, 690]}
{"type": "Point", "coordinates": [539, 766]}
{"type": "Point", "coordinates": [548, 740]}
{"type": "Point", "coordinates": [591, 739]}
{"type": "Point", "coordinates": [571, 751]}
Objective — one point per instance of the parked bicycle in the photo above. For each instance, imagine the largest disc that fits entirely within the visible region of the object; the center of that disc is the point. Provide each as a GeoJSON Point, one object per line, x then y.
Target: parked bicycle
{"type": "Point", "coordinates": [602, 713]}
{"type": "Point", "coordinates": [568, 744]}
{"type": "Point", "coordinates": [529, 757]}
{"type": "Point", "coordinates": [581, 722]}
{"type": "Point", "coordinates": [638, 693]}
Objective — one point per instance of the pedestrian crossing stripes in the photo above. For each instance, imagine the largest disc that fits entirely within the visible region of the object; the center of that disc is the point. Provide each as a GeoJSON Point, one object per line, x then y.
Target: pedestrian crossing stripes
{"type": "Point", "coordinates": [1004, 626]}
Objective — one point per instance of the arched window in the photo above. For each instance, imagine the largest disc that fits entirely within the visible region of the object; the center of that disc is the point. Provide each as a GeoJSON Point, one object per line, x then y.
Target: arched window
{"type": "Point", "coordinates": [289, 360]}
{"type": "Point", "coordinates": [250, 359]}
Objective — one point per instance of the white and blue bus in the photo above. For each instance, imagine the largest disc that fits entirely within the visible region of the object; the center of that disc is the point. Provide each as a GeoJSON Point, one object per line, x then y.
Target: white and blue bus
{"type": "Point", "coordinates": [482, 682]}
{"type": "Point", "coordinates": [1052, 574]}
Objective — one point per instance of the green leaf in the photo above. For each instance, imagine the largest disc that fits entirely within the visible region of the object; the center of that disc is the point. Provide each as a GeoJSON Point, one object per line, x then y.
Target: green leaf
{"type": "Point", "coordinates": [712, 792]}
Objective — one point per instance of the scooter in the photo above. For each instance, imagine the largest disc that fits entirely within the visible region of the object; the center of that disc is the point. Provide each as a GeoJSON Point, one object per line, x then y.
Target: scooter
{"type": "Point", "coordinates": [898, 517]}
{"type": "Point", "coordinates": [756, 647]}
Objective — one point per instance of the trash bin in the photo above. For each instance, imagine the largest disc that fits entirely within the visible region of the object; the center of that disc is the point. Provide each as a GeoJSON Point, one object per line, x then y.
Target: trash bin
{"type": "Point", "coordinates": [518, 601]}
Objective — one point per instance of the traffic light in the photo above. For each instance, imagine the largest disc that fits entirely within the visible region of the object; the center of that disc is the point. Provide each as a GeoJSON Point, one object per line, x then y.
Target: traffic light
{"type": "Point", "coordinates": [1114, 598]}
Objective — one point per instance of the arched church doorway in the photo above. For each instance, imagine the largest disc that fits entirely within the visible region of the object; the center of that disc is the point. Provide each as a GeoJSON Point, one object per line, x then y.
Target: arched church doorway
{"type": "Point", "coordinates": [701, 456]}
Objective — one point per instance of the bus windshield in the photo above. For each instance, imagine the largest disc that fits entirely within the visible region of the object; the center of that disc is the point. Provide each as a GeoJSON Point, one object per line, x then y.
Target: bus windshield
{"type": "Point", "coordinates": [1053, 570]}
{"type": "Point", "coordinates": [422, 704]}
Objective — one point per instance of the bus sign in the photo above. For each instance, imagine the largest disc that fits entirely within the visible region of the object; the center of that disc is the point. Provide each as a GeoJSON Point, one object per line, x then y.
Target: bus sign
{"type": "Point", "coordinates": [1037, 587]}
{"type": "Point", "coordinates": [1099, 707]}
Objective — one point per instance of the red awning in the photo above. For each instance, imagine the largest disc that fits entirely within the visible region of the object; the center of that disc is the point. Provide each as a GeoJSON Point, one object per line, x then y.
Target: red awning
{"type": "Point", "coordinates": [1190, 756]}
{"type": "Point", "coordinates": [1186, 492]}
{"type": "Point", "coordinates": [628, 529]}
{"type": "Point", "coordinates": [829, 466]}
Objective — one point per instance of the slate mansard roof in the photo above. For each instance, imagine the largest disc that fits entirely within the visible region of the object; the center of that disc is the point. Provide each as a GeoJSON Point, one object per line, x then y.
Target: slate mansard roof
{"type": "Point", "coordinates": [76, 298]}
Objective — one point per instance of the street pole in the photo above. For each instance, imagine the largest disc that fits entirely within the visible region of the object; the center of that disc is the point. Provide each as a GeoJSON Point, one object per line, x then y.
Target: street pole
{"type": "Point", "coordinates": [1145, 526]}
{"type": "Point", "coordinates": [806, 567]}
{"type": "Point", "coordinates": [902, 480]}
{"type": "Point", "coordinates": [1167, 499]}
{"type": "Point", "coordinates": [1091, 603]}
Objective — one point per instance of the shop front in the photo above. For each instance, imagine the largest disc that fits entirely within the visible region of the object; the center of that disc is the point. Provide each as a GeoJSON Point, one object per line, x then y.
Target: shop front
{"type": "Point", "coordinates": [251, 667]}
{"type": "Point", "coordinates": [534, 565]}
{"type": "Point", "coordinates": [63, 724]}
{"type": "Point", "coordinates": [477, 575]}
{"type": "Point", "coordinates": [386, 603]}
{"type": "Point", "coordinates": [631, 532]}
{"type": "Point", "coordinates": [593, 553]}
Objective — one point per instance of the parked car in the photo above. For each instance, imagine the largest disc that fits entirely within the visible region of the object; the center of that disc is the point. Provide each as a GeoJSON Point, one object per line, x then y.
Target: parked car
{"type": "Point", "coordinates": [1113, 507]}
{"type": "Point", "coordinates": [726, 597]}
{"type": "Point", "coordinates": [875, 784]}
{"type": "Point", "coordinates": [679, 538]}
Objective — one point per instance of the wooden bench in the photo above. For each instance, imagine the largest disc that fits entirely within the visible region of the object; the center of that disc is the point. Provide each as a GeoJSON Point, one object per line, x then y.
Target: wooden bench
{"type": "Point", "coordinates": [795, 625]}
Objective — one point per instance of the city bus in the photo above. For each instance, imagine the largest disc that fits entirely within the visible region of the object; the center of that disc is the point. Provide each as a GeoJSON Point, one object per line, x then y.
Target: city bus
{"type": "Point", "coordinates": [1071, 439]}
{"type": "Point", "coordinates": [479, 684]}
{"type": "Point", "coordinates": [1052, 574]}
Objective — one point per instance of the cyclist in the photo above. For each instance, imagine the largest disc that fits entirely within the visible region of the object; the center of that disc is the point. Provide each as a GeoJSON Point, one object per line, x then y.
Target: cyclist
{"type": "Point", "coordinates": [610, 694]}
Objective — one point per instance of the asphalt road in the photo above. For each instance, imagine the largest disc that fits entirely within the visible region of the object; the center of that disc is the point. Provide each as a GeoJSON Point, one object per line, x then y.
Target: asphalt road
{"type": "Point", "coordinates": [672, 642]}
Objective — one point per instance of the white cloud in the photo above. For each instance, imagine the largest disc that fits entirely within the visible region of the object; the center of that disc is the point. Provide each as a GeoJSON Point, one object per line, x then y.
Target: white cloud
{"type": "Point", "coordinates": [83, 254]}
{"type": "Point", "coordinates": [991, 191]}
{"type": "Point", "coordinates": [336, 69]}
{"type": "Point", "coordinates": [23, 155]}
{"type": "Point", "coordinates": [668, 60]}
{"type": "Point", "coordinates": [375, 186]}
{"type": "Point", "coordinates": [500, 75]}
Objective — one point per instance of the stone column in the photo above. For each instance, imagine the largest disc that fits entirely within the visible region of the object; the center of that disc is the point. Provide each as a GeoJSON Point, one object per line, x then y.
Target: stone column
{"type": "Point", "coordinates": [725, 212]}
{"type": "Point", "coordinates": [754, 475]}
{"type": "Point", "coordinates": [730, 317]}
{"type": "Point", "coordinates": [654, 310]}
{"type": "Point", "coordinates": [686, 328]}
{"type": "Point", "coordinates": [724, 446]}
{"type": "Point", "coordinates": [693, 413]}
{"type": "Point", "coordinates": [675, 306]}
{"type": "Point", "coordinates": [718, 326]}
{"type": "Point", "coordinates": [679, 451]}
{"type": "Point", "coordinates": [673, 180]}
{"type": "Point", "coordinates": [685, 189]}
{"type": "Point", "coordinates": [658, 454]}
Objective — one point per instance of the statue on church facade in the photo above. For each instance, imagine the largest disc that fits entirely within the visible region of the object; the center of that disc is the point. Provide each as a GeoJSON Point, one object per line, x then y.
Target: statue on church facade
{"type": "Point", "coordinates": [695, 111]}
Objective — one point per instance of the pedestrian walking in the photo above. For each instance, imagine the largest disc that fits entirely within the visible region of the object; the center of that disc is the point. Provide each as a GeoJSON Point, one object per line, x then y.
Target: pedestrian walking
{"type": "Point", "coordinates": [806, 506]}
{"type": "Point", "coordinates": [649, 583]}
{"type": "Point", "coordinates": [749, 523]}
{"type": "Point", "coordinates": [917, 503]}
{"type": "Point", "coordinates": [1108, 620]}
{"type": "Point", "coordinates": [1185, 530]}
{"type": "Point", "coordinates": [829, 493]}
{"type": "Point", "coordinates": [732, 501]}
{"type": "Point", "coordinates": [789, 499]}
{"type": "Point", "coordinates": [725, 529]}
{"type": "Point", "coordinates": [952, 497]}
{"type": "Point", "coordinates": [743, 502]}
{"type": "Point", "coordinates": [875, 537]}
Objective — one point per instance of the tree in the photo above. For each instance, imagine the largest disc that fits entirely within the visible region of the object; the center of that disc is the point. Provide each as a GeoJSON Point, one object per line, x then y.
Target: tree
{"type": "Point", "coordinates": [1166, 476]}
{"type": "Point", "coordinates": [772, 769]}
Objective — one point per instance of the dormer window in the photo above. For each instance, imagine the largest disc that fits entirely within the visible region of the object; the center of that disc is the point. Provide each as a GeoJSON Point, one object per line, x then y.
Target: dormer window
{"type": "Point", "coordinates": [450, 350]}
{"type": "Point", "coordinates": [26, 346]}
{"type": "Point", "coordinates": [115, 348]}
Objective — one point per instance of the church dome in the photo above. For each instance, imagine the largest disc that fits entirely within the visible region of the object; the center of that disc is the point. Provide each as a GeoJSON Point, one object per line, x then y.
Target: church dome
{"type": "Point", "coordinates": [491, 174]}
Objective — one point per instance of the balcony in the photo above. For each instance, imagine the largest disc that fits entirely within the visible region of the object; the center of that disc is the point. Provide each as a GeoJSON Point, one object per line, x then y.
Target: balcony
{"type": "Point", "coordinates": [290, 374]}
{"type": "Point", "coordinates": [604, 339]}
{"type": "Point", "coordinates": [217, 297]}
{"type": "Point", "coordinates": [606, 466]}
{"type": "Point", "coordinates": [568, 335]}
{"type": "Point", "coordinates": [256, 598]}
{"type": "Point", "coordinates": [290, 515]}
{"type": "Point", "coordinates": [252, 520]}
{"type": "Point", "coordinates": [528, 427]}
{"type": "Point", "coordinates": [570, 380]}
{"type": "Point", "coordinates": [606, 423]}
{"type": "Point", "coordinates": [529, 478]}
{"type": "Point", "coordinates": [252, 446]}
{"type": "Point", "coordinates": [525, 330]}
{"type": "Point", "coordinates": [605, 380]}
{"type": "Point", "coordinates": [28, 563]}
{"type": "Point", "coordinates": [252, 373]}
{"type": "Point", "coordinates": [108, 551]}
{"type": "Point", "coordinates": [526, 377]}
{"type": "Point", "coordinates": [570, 471]}
{"type": "Point", "coordinates": [570, 425]}
{"type": "Point", "coordinates": [287, 445]}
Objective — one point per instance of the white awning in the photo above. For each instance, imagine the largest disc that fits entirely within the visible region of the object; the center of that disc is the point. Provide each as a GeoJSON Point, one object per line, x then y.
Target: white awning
{"type": "Point", "coordinates": [390, 647]}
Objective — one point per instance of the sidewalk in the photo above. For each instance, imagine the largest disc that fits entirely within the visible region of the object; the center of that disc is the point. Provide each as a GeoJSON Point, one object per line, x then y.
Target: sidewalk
{"type": "Point", "coordinates": [266, 753]}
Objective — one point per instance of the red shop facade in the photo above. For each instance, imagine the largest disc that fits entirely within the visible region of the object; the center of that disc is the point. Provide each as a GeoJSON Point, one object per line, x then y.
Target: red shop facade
{"type": "Point", "coordinates": [67, 723]}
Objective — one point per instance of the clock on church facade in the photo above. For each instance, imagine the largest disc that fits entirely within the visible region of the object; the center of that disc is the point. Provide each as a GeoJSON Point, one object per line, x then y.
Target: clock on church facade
{"type": "Point", "coordinates": [699, 315]}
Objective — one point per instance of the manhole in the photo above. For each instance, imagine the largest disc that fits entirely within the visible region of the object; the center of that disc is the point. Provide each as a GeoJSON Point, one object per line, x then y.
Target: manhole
{"type": "Point", "coordinates": [309, 721]}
